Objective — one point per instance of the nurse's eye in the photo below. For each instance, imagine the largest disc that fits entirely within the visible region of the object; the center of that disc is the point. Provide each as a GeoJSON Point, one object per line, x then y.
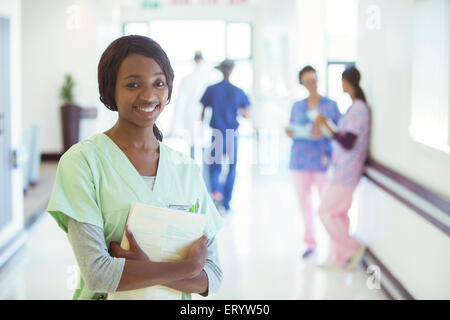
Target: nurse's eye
{"type": "Point", "coordinates": [132, 85]}
{"type": "Point", "coordinates": [160, 84]}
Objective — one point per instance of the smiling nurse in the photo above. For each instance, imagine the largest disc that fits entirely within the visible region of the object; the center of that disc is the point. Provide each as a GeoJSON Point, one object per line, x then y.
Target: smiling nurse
{"type": "Point", "coordinates": [98, 179]}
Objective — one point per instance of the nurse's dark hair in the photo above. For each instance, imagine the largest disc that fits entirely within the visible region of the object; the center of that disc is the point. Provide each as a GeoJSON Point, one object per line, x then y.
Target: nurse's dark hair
{"type": "Point", "coordinates": [353, 76]}
{"type": "Point", "coordinates": [113, 56]}
{"type": "Point", "coordinates": [305, 69]}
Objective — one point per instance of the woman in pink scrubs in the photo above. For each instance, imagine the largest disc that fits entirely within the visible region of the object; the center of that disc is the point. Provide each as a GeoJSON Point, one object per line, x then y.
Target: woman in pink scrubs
{"type": "Point", "coordinates": [347, 166]}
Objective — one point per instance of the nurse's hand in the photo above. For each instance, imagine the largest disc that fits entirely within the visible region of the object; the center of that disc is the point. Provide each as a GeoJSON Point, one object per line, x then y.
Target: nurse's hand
{"type": "Point", "coordinates": [289, 133]}
{"type": "Point", "coordinates": [320, 120]}
{"type": "Point", "coordinates": [198, 254]}
{"type": "Point", "coordinates": [135, 252]}
{"type": "Point", "coordinates": [315, 132]}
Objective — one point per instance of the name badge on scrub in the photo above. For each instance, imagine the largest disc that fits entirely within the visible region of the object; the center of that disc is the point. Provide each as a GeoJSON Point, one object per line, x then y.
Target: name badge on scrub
{"type": "Point", "coordinates": [187, 208]}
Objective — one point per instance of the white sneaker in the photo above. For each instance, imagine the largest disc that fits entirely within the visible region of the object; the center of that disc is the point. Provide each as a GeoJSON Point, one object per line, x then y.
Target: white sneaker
{"type": "Point", "coordinates": [356, 259]}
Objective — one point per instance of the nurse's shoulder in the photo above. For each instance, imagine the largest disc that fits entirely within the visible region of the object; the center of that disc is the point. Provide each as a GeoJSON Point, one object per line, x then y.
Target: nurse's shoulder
{"type": "Point", "coordinates": [300, 105]}
{"type": "Point", "coordinates": [81, 152]}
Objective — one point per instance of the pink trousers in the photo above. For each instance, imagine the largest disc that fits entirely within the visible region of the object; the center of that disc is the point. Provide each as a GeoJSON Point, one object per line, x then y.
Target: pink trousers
{"type": "Point", "coordinates": [304, 182]}
{"type": "Point", "coordinates": [335, 203]}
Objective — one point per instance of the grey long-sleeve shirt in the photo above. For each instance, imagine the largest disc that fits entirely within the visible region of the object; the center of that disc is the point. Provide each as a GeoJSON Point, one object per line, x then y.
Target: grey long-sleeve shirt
{"type": "Point", "coordinates": [102, 272]}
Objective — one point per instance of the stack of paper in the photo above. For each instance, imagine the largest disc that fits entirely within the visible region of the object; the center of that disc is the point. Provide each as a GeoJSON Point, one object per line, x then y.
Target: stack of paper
{"type": "Point", "coordinates": [164, 235]}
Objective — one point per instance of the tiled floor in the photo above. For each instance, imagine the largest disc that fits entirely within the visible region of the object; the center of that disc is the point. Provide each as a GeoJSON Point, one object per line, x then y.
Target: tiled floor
{"type": "Point", "coordinates": [36, 198]}
{"type": "Point", "coordinates": [259, 248]}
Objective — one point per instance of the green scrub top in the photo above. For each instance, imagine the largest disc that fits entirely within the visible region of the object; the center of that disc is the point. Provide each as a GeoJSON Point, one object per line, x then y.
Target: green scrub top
{"type": "Point", "coordinates": [96, 183]}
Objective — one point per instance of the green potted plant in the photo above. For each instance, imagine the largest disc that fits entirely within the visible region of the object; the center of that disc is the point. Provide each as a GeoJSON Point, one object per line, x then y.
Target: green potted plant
{"type": "Point", "coordinates": [66, 92]}
{"type": "Point", "coordinates": [70, 113]}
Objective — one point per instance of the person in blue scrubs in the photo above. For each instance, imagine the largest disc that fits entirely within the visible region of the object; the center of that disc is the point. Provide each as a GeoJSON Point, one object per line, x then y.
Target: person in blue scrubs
{"type": "Point", "coordinates": [226, 101]}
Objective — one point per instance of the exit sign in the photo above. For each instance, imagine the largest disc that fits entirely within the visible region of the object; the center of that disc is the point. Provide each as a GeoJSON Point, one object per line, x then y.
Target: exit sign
{"type": "Point", "coordinates": [150, 4]}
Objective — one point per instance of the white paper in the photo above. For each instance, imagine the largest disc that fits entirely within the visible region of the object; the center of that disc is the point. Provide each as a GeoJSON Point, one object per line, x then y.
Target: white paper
{"type": "Point", "coordinates": [164, 235]}
{"type": "Point", "coordinates": [312, 114]}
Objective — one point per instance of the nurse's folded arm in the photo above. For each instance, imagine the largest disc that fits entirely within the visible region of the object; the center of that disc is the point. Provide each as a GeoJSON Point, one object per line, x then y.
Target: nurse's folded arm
{"type": "Point", "coordinates": [139, 272]}
{"type": "Point", "coordinates": [198, 284]}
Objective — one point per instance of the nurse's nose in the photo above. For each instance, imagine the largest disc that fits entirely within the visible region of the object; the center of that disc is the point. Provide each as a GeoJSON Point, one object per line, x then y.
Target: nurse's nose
{"type": "Point", "coordinates": [148, 94]}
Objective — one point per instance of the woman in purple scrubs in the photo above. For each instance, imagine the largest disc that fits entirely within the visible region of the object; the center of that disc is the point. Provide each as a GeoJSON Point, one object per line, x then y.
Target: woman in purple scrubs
{"type": "Point", "coordinates": [311, 151]}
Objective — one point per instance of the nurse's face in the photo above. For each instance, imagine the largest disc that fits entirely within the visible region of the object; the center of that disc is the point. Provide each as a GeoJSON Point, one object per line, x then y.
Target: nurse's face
{"type": "Point", "coordinates": [346, 86]}
{"type": "Point", "coordinates": [141, 90]}
{"type": "Point", "coordinates": [309, 81]}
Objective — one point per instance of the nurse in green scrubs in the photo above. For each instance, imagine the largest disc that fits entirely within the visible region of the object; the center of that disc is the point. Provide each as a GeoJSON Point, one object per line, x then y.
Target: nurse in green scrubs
{"type": "Point", "coordinates": [98, 179]}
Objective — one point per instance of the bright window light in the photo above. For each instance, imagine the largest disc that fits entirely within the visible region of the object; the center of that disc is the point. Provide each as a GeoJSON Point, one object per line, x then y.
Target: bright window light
{"type": "Point", "coordinates": [341, 20]}
{"type": "Point", "coordinates": [136, 28]}
{"type": "Point", "coordinates": [181, 38]}
{"type": "Point", "coordinates": [239, 41]}
{"type": "Point", "coordinates": [335, 91]}
{"type": "Point", "coordinates": [430, 113]}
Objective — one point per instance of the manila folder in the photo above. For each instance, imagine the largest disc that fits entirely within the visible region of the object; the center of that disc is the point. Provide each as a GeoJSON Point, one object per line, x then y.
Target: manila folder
{"type": "Point", "coordinates": [164, 235]}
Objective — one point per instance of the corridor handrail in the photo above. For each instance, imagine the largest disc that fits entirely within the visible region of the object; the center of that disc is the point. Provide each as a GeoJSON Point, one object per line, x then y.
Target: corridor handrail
{"type": "Point", "coordinates": [425, 194]}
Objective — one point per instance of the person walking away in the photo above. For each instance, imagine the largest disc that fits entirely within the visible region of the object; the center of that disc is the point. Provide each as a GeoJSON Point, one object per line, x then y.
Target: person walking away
{"type": "Point", "coordinates": [226, 101]}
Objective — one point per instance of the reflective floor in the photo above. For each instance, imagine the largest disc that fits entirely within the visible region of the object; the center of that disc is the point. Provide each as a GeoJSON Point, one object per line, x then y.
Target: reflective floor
{"type": "Point", "coordinates": [259, 249]}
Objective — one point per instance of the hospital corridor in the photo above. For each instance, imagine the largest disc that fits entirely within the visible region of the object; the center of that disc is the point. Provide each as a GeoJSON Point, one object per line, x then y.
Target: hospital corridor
{"type": "Point", "coordinates": [309, 139]}
{"type": "Point", "coordinates": [259, 247]}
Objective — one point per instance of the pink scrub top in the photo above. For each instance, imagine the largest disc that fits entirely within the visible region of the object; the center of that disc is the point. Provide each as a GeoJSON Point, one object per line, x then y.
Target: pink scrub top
{"type": "Point", "coordinates": [347, 166]}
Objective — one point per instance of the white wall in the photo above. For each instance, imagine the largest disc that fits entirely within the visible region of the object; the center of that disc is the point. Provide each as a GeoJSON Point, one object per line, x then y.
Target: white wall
{"type": "Point", "coordinates": [385, 61]}
{"type": "Point", "coordinates": [414, 250]}
{"type": "Point", "coordinates": [430, 110]}
{"type": "Point", "coordinates": [12, 10]}
{"type": "Point", "coordinates": [51, 49]}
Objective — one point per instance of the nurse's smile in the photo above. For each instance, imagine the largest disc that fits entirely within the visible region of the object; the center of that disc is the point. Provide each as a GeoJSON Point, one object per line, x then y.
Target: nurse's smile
{"type": "Point", "coordinates": [148, 110]}
{"type": "Point", "coordinates": [141, 90]}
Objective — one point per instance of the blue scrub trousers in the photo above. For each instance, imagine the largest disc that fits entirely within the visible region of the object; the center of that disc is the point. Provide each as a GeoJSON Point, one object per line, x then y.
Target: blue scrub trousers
{"type": "Point", "coordinates": [216, 168]}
